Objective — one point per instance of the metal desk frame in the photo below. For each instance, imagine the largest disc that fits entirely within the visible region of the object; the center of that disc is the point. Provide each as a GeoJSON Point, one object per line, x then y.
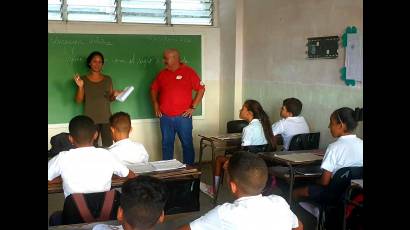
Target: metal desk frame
{"type": "Point", "coordinates": [270, 156]}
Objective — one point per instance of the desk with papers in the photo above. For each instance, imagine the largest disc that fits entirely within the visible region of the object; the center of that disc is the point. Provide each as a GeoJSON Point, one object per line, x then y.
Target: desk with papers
{"type": "Point", "coordinates": [180, 173]}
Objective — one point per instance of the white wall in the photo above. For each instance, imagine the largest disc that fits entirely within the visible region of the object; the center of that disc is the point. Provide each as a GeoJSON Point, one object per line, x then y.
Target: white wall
{"type": "Point", "coordinates": [275, 67]}
{"type": "Point", "coordinates": [228, 38]}
{"type": "Point", "coordinates": [147, 131]}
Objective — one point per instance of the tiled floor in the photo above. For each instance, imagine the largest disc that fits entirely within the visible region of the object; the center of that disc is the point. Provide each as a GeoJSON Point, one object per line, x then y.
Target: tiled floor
{"type": "Point", "coordinates": [55, 202]}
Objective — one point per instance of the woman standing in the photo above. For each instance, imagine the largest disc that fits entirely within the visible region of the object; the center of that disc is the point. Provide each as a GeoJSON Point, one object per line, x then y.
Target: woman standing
{"type": "Point", "coordinates": [96, 91]}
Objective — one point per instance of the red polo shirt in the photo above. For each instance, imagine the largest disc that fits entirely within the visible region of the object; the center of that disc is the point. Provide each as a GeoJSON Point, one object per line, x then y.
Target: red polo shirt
{"type": "Point", "coordinates": [175, 89]}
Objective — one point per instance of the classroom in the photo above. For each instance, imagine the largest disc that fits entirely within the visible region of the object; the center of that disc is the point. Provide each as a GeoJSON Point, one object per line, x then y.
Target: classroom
{"type": "Point", "coordinates": [252, 50]}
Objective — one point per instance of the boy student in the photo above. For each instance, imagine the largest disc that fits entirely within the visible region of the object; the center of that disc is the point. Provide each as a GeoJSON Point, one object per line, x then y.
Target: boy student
{"type": "Point", "coordinates": [291, 123]}
{"type": "Point", "coordinates": [247, 176]}
{"type": "Point", "coordinates": [85, 169]}
{"type": "Point", "coordinates": [125, 150]}
{"type": "Point", "coordinates": [142, 204]}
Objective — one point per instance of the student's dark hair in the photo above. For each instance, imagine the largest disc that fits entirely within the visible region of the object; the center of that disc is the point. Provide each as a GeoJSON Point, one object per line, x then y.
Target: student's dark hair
{"type": "Point", "coordinates": [92, 55]}
{"type": "Point", "coordinates": [258, 113]}
{"type": "Point", "coordinates": [293, 105]}
{"type": "Point", "coordinates": [248, 171]}
{"type": "Point", "coordinates": [121, 121]}
{"type": "Point", "coordinates": [143, 200]}
{"type": "Point", "coordinates": [82, 129]}
{"type": "Point", "coordinates": [347, 116]}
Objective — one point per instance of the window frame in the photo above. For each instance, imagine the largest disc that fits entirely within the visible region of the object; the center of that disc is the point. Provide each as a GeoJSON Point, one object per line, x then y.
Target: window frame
{"type": "Point", "coordinates": [118, 16]}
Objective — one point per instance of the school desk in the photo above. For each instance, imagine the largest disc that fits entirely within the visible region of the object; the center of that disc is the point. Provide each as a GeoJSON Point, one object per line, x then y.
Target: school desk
{"type": "Point", "coordinates": [219, 142]}
{"type": "Point", "coordinates": [291, 159]}
{"type": "Point", "coordinates": [187, 173]}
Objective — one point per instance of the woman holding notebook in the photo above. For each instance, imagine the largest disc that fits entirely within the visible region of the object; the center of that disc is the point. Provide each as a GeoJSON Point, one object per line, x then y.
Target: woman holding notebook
{"type": "Point", "coordinates": [95, 89]}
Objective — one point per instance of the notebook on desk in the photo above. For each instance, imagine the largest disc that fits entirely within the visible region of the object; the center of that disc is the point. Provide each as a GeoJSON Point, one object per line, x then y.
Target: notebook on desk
{"type": "Point", "coordinates": [156, 166]}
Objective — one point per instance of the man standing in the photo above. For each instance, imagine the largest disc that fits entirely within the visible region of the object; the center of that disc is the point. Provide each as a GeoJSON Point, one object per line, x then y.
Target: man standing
{"type": "Point", "coordinates": [171, 95]}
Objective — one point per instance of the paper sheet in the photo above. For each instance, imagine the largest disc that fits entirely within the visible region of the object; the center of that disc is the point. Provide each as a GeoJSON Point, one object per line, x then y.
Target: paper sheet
{"type": "Point", "coordinates": [155, 166]}
{"type": "Point", "coordinates": [125, 93]}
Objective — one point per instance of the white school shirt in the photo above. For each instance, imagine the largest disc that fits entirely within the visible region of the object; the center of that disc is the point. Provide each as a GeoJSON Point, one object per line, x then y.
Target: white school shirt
{"type": "Point", "coordinates": [85, 170]}
{"type": "Point", "coordinates": [251, 212]}
{"type": "Point", "coordinates": [347, 151]}
{"type": "Point", "coordinates": [289, 127]}
{"type": "Point", "coordinates": [252, 134]}
{"type": "Point", "coordinates": [129, 152]}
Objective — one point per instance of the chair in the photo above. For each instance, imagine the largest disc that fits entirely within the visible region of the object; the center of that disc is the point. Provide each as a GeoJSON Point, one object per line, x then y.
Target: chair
{"type": "Point", "coordinates": [304, 141]}
{"type": "Point", "coordinates": [88, 207]}
{"type": "Point", "coordinates": [329, 207]}
{"type": "Point", "coordinates": [235, 126]}
{"type": "Point", "coordinates": [59, 142]}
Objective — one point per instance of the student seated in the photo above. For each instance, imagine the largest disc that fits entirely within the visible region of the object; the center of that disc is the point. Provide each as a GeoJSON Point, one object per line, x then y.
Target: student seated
{"type": "Point", "coordinates": [346, 151]}
{"type": "Point", "coordinates": [256, 137]}
{"type": "Point", "coordinates": [125, 150]}
{"type": "Point", "coordinates": [247, 175]}
{"type": "Point", "coordinates": [291, 123]}
{"type": "Point", "coordinates": [85, 169]}
{"type": "Point", "coordinates": [142, 204]}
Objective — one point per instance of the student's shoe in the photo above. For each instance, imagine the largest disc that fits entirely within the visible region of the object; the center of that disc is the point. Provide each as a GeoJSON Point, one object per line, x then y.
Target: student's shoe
{"type": "Point", "coordinates": [207, 189]}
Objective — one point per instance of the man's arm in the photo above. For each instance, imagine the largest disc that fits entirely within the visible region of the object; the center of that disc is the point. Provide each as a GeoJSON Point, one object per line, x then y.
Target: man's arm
{"type": "Point", "coordinates": [154, 100]}
{"type": "Point", "coordinates": [198, 97]}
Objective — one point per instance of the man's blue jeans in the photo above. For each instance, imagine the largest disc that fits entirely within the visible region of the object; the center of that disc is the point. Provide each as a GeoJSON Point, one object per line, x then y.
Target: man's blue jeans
{"type": "Point", "coordinates": [183, 127]}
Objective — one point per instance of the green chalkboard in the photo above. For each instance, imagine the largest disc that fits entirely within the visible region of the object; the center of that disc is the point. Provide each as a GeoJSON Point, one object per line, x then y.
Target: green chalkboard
{"type": "Point", "coordinates": [129, 60]}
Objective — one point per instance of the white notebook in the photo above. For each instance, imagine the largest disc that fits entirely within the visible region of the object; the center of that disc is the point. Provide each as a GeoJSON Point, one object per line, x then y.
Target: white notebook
{"type": "Point", "coordinates": [167, 165]}
{"type": "Point", "coordinates": [155, 166]}
{"type": "Point", "coordinates": [125, 93]}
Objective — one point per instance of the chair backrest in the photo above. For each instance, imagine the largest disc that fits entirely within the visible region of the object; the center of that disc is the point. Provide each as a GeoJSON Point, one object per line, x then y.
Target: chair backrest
{"type": "Point", "coordinates": [339, 183]}
{"type": "Point", "coordinates": [304, 141]}
{"type": "Point", "coordinates": [235, 126]}
{"type": "Point", "coordinates": [94, 202]}
{"type": "Point", "coordinates": [59, 142]}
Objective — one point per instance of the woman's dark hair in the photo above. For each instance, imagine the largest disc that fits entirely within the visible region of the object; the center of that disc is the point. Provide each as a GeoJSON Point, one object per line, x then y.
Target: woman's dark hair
{"type": "Point", "coordinates": [259, 113]}
{"type": "Point", "coordinates": [348, 116]}
{"type": "Point", "coordinates": [92, 55]}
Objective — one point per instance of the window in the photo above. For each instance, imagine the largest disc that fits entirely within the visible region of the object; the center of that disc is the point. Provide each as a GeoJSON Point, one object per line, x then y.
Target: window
{"type": "Point", "coordinates": [144, 11]}
{"type": "Point", "coordinates": [191, 12]}
{"type": "Point", "coordinates": [91, 10]}
{"type": "Point", "coordinates": [54, 7]}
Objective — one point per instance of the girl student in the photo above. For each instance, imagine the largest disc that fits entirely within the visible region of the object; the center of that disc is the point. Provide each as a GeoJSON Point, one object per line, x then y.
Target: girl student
{"type": "Point", "coordinates": [257, 136]}
{"type": "Point", "coordinates": [346, 151]}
